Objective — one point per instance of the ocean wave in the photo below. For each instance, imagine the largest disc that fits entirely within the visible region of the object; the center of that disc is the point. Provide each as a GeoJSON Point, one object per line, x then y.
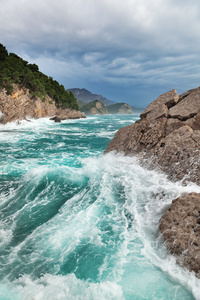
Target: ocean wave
{"type": "Point", "coordinates": [79, 225]}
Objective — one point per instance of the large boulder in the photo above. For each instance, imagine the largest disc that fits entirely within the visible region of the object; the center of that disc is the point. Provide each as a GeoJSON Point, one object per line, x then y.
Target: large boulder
{"type": "Point", "coordinates": [159, 107]}
{"type": "Point", "coordinates": [180, 226]}
{"type": "Point", "coordinates": [188, 107]}
{"type": "Point", "coordinates": [166, 136]}
{"type": "Point", "coordinates": [68, 113]}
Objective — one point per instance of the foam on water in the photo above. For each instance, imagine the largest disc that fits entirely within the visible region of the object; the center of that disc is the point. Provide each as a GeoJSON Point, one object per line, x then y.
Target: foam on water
{"type": "Point", "coordinates": [79, 225]}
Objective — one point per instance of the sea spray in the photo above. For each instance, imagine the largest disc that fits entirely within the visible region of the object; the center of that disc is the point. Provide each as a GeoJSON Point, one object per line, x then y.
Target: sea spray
{"type": "Point", "coordinates": [77, 224]}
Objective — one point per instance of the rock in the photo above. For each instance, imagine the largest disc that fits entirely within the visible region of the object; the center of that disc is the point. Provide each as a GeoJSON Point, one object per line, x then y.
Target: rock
{"type": "Point", "coordinates": [21, 105]}
{"type": "Point", "coordinates": [188, 107]}
{"type": "Point", "coordinates": [166, 136]}
{"type": "Point", "coordinates": [68, 113]}
{"type": "Point", "coordinates": [136, 138]}
{"type": "Point", "coordinates": [180, 227]}
{"type": "Point", "coordinates": [159, 107]}
{"type": "Point", "coordinates": [56, 119]}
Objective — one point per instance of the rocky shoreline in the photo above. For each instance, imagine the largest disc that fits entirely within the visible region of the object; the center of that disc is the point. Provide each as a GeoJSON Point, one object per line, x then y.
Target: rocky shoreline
{"type": "Point", "coordinates": [180, 227]}
{"type": "Point", "coordinates": [167, 137]}
{"type": "Point", "coordinates": [21, 105]}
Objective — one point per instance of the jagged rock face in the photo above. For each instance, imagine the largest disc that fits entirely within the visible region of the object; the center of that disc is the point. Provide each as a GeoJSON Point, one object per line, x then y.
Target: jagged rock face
{"type": "Point", "coordinates": [21, 105]}
{"type": "Point", "coordinates": [180, 227]}
{"type": "Point", "coordinates": [99, 109]}
{"type": "Point", "coordinates": [167, 136]}
{"type": "Point", "coordinates": [188, 107]}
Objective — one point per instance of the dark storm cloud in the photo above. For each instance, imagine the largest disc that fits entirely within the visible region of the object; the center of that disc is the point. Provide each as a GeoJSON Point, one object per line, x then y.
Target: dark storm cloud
{"type": "Point", "coordinates": [122, 49]}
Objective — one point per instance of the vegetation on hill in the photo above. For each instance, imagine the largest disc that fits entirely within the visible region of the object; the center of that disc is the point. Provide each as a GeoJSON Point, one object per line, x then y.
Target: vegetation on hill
{"type": "Point", "coordinates": [118, 108]}
{"type": "Point", "coordinates": [95, 107]}
{"type": "Point", "coordinates": [87, 96]}
{"type": "Point", "coordinates": [81, 103]}
{"type": "Point", "coordinates": [14, 69]}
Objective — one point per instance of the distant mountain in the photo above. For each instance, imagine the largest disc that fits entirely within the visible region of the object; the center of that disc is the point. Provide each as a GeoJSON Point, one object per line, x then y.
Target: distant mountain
{"type": "Point", "coordinates": [120, 108]}
{"type": "Point", "coordinates": [86, 96]}
{"type": "Point", "coordinates": [94, 108]}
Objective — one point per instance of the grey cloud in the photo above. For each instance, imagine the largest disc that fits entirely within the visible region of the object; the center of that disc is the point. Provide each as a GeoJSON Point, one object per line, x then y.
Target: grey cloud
{"type": "Point", "coordinates": [107, 42]}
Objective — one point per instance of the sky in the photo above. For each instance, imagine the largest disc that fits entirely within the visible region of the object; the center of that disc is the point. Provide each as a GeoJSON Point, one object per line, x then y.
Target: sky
{"type": "Point", "coordinates": [126, 50]}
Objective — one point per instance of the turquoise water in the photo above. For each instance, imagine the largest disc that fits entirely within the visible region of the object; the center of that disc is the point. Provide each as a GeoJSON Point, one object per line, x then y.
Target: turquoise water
{"type": "Point", "coordinates": [77, 224]}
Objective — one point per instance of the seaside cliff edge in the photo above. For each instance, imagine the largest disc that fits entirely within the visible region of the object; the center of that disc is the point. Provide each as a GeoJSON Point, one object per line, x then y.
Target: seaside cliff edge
{"type": "Point", "coordinates": [167, 138]}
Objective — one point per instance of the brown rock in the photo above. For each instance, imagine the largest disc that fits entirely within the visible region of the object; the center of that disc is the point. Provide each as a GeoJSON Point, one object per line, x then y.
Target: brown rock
{"type": "Point", "coordinates": [168, 136]}
{"type": "Point", "coordinates": [163, 141]}
{"type": "Point", "coordinates": [180, 226]}
{"type": "Point", "coordinates": [67, 113]}
{"type": "Point", "coordinates": [21, 106]}
{"type": "Point", "coordinates": [159, 106]}
{"type": "Point", "coordinates": [196, 122]}
{"type": "Point", "coordinates": [188, 107]}
{"type": "Point", "coordinates": [173, 124]}
{"type": "Point", "coordinates": [56, 119]}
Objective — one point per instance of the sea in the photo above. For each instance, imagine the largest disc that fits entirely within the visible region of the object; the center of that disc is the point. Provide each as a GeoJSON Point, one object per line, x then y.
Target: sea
{"type": "Point", "coordinates": [78, 224]}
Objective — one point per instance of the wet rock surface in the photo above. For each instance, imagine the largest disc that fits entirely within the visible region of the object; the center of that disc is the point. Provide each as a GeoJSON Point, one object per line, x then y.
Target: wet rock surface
{"type": "Point", "coordinates": [180, 227]}
{"type": "Point", "coordinates": [167, 137]}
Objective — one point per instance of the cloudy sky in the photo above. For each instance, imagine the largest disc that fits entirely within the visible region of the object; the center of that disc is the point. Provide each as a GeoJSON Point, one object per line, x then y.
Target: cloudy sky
{"type": "Point", "coordinates": [125, 50]}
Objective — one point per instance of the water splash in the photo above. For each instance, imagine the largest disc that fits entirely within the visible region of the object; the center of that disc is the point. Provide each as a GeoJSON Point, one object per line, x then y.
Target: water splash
{"type": "Point", "coordinates": [76, 226]}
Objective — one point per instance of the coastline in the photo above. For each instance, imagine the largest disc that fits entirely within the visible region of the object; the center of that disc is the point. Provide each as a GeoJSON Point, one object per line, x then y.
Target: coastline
{"type": "Point", "coordinates": [167, 137]}
{"type": "Point", "coordinates": [21, 105]}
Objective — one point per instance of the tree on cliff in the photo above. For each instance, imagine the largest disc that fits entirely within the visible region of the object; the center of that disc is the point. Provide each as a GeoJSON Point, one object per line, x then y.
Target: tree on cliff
{"type": "Point", "coordinates": [13, 69]}
{"type": "Point", "coordinates": [3, 53]}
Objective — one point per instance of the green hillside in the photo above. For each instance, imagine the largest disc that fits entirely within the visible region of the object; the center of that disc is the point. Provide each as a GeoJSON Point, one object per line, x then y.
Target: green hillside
{"type": "Point", "coordinates": [95, 107]}
{"type": "Point", "coordinates": [120, 108]}
{"type": "Point", "coordinates": [14, 69]}
{"type": "Point", "coordinates": [81, 103]}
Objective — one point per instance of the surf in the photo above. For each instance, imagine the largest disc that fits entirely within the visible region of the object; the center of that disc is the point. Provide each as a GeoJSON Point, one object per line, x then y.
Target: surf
{"type": "Point", "coordinates": [77, 224]}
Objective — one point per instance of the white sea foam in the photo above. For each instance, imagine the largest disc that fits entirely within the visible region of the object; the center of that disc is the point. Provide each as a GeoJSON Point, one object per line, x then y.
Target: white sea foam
{"type": "Point", "coordinates": [64, 287]}
{"type": "Point", "coordinates": [106, 227]}
{"type": "Point", "coordinates": [146, 206]}
{"type": "Point", "coordinates": [106, 134]}
{"type": "Point", "coordinates": [138, 248]}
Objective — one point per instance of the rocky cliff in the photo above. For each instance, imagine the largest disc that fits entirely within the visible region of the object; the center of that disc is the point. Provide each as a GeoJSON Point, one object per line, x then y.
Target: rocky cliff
{"type": "Point", "coordinates": [21, 105]}
{"type": "Point", "coordinates": [167, 137]}
{"type": "Point", "coordinates": [94, 108]}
